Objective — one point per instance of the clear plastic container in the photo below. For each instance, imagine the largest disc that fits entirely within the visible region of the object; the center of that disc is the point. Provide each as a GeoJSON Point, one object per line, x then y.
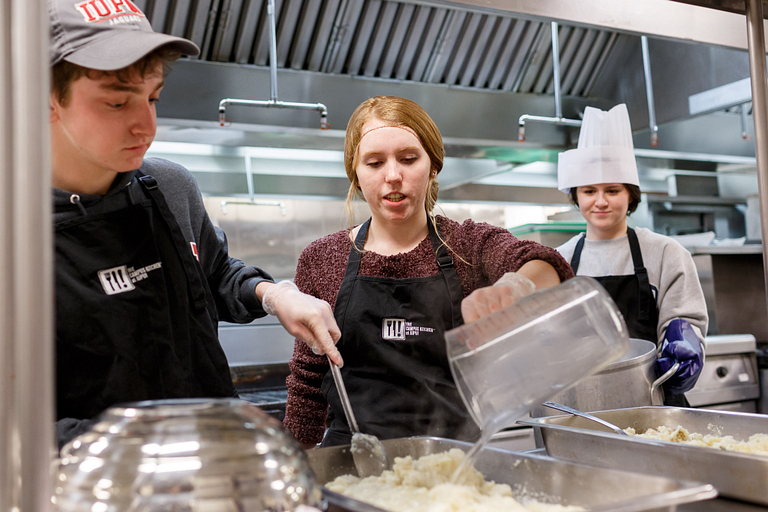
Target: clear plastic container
{"type": "Point", "coordinates": [507, 362]}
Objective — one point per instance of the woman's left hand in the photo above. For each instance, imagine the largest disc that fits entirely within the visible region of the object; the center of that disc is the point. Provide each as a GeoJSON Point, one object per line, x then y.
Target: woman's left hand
{"type": "Point", "coordinates": [510, 288]}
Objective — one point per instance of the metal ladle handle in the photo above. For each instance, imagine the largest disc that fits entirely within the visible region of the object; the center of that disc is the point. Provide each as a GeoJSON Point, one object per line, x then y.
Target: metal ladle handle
{"type": "Point", "coordinates": [561, 407]}
{"type": "Point", "coordinates": [344, 397]}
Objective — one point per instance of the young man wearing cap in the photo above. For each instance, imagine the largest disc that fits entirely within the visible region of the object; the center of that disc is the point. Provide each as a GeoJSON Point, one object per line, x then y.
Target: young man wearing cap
{"type": "Point", "coordinates": [142, 275]}
{"type": "Point", "coordinates": [651, 277]}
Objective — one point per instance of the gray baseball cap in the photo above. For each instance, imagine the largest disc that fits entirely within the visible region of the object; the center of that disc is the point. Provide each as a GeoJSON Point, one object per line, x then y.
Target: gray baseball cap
{"type": "Point", "coordinates": [105, 34]}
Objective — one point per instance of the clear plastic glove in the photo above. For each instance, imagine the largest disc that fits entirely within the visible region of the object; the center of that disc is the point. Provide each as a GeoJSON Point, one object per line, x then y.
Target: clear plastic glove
{"type": "Point", "coordinates": [308, 318]}
{"type": "Point", "coordinates": [681, 344]}
{"type": "Point", "coordinates": [510, 288]}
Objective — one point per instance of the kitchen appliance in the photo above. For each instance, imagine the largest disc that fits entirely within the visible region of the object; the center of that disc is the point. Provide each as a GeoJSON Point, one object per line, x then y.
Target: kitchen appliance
{"type": "Point", "coordinates": [544, 479]}
{"type": "Point", "coordinates": [185, 455]}
{"type": "Point", "coordinates": [736, 475]}
{"type": "Point", "coordinates": [729, 379]}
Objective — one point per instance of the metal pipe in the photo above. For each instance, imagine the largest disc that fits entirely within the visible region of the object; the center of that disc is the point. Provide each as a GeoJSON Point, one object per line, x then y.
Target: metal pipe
{"type": "Point", "coordinates": [649, 92]}
{"type": "Point", "coordinates": [558, 119]}
{"type": "Point", "coordinates": [757, 71]}
{"type": "Point", "coordinates": [252, 202]}
{"type": "Point", "coordinates": [743, 114]}
{"type": "Point", "coordinates": [26, 252]}
{"type": "Point", "coordinates": [273, 102]}
{"type": "Point", "coordinates": [540, 119]}
{"type": "Point", "coordinates": [556, 70]}
{"type": "Point", "coordinates": [272, 49]}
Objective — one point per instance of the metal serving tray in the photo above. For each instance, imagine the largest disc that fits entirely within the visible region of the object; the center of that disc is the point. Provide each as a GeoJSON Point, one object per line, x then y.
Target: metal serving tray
{"type": "Point", "coordinates": [736, 475]}
{"type": "Point", "coordinates": [546, 479]}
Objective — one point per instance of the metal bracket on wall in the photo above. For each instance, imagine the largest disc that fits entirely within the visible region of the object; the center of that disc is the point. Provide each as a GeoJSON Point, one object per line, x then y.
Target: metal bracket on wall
{"type": "Point", "coordinates": [252, 201]}
{"type": "Point", "coordinates": [273, 102]}
{"type": "Point", "coordinates": [558, 119]}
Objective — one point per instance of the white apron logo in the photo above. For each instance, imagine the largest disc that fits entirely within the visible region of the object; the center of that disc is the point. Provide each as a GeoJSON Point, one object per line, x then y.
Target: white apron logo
{"type": "Point", "coordinates": [398, 329]}
{"type": "Point", "coordinates": [393, 329]}
{"type": "Point", "coordinates": [121, 279]}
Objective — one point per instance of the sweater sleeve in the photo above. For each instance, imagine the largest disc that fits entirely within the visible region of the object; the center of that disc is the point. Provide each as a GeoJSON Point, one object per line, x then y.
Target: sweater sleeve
{"type": "Point", "coordinates": [232, 282]}
{"type": "Point", "coordinates": [493, 251]}
{"type": "Point", "coordinates": [306, 409]}
{"type": "Point", "coordinates": [680, 292]}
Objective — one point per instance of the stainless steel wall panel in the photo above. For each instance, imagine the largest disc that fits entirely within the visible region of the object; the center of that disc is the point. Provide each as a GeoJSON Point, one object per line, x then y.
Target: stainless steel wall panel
{"type": "Point", "coordinates": [286, 29]}
{"type": "Point", "coordinates": [307, 19]}
{"type": "Point", "coordinates": [490, 58]}
{"type": "Point", "coordinates": [567, 52]}
{"type": "Point", "coordinates": [428, 44]}
{"type": "Point", "coordinates": [248, 24]}
{"type": "Point", "coordinates": [362, 37]}
{"type": "Point", "coordinates": [462, 48]}
{"type": "Point", "coordinates": [344, 31]}
{"type": "Point", "coordinates": [177, 23]}
{"type": "Point", "coordinates": [201, 24]}
{"type": "Point", "coordinates": [226, 31]}
{"type": "Point", "coordinates": [321, 38]}
{"type": "Point", "coordinates": [510, 48]}
{"type": "Point", "coordinates": [542, 49]}
{"type": "Point", "coordinates": [544, 82]}
{"type": "Point", "coordinates": [577, 60]}
{"type": "Point", "coordinates": [598, 67]}
{"type": "Point", "coordinates": [441, 55]}
{"type": "Point", "coordinates": [261, 48]}
{"type": "Point", "coordinates": [412, 42]}
{"type": "Point", "coordinates": [397, 37]}
{"type": "Point", "coordinates": [532, 36]}
{"type": "Point", "coordinates": [379, 42]}
{"type": "Point", "coordinates": [157, 12]}
{"type": "Point", "coordinates": [586, 71]}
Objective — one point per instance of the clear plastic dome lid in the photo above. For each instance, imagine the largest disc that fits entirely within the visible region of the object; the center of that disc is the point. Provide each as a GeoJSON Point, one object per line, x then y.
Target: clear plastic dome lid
{"type": "Point", "coordinates": [185, 455]}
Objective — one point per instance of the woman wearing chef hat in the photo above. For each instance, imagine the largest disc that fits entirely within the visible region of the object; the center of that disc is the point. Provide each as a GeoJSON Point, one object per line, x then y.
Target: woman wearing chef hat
{"type": "Point", "coordinates": [398, 282]}
{"type": "Point", "coordinates": [651, 277]}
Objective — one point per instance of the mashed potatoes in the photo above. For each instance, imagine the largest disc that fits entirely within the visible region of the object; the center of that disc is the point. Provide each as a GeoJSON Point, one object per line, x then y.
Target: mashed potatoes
{"type": "Point", "coordinates": [757, 444]}
{"type": "Point", "coordinates": [423, 485]}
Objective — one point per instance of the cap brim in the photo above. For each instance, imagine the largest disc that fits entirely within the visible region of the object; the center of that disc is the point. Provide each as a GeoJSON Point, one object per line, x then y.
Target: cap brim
{"type": "Point", "coordinates": [127, 47]}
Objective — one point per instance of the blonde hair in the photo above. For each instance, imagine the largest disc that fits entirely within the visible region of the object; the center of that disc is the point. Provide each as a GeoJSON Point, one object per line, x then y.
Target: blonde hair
{"type": "Point", "coordinates": [393, 111]}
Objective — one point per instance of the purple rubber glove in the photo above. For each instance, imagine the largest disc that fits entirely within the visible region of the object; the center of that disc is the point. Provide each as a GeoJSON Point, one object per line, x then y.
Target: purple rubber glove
{"type": "Point", "coordinates": [681, 344]}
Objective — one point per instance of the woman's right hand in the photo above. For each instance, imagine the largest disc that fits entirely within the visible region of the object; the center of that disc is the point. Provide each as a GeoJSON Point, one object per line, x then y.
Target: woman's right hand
{"type": "Point", "coordinates": [510, 288]}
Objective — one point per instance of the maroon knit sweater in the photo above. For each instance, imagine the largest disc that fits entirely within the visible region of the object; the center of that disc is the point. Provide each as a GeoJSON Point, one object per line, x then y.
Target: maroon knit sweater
{"type": "Point", "coordinates": [490, 251]}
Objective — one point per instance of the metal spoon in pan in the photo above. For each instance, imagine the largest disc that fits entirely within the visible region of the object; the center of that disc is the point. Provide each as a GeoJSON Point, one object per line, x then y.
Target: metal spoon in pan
{"type": "Point", "coordinates": [367, 451]}
{"type": "Point", "coordinates": [564, 408]}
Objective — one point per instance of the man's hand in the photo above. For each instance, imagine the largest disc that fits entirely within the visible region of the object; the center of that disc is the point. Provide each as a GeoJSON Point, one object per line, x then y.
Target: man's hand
{"type": "Point", "coordinates": [305, 317]}
{"type": "Point", "coordinates": [510, 288]}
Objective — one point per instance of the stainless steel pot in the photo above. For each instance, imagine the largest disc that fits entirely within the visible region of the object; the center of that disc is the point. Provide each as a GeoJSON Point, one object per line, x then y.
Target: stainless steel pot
{"type": "Point", "coordinates": [629, 382]}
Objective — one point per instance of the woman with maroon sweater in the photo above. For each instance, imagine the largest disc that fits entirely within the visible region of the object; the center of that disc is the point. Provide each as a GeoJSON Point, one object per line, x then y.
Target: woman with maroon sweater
{"type": "Point", "coordinates": [398, 282]}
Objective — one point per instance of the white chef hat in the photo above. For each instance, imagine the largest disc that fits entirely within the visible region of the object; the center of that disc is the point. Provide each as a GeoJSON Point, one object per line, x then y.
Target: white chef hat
{"type": "Point", "coordinates": [605, 153]}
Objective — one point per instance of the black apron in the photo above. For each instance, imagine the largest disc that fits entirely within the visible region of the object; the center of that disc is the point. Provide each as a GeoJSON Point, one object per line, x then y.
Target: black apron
{"type": "Point", "coordinates": [636, 299]}
{"type": "Point", "coordinates": [395, 363]}
{"type": "Point", "coordinates": [135, 317]}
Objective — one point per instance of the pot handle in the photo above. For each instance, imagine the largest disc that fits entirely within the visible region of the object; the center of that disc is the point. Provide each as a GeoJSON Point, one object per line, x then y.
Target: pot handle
{"type": "Point", "coordinates": [661, 380]}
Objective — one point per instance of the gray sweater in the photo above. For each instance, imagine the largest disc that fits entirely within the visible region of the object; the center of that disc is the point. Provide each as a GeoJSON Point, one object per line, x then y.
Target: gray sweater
{"type": "Point", "coordinates": [670, 269]}
{"type": "Point", "coordinates": [232, 283]}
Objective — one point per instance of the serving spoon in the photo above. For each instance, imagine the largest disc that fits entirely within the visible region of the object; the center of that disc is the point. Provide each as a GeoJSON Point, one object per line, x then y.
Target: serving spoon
{"type": "Point", "coordinates": [565, 408]}
{"type": "Point", "coordinates": [367, 451]}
